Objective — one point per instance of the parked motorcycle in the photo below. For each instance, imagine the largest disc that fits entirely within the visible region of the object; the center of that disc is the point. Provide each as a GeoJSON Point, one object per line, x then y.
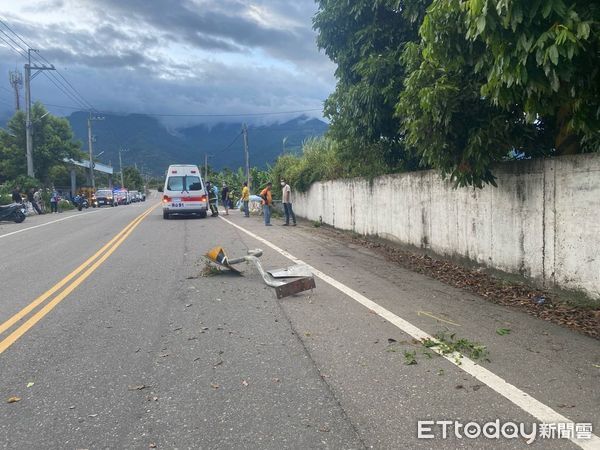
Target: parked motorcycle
{"type": "Point", "coordinates": [14, 212]}
{"type": "Point", "coordinates": [81, 202]}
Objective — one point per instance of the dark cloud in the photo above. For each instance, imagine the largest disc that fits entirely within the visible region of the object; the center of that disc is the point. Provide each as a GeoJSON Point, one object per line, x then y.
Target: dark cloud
{"type": "Point", "coordinates": [228, 20]}
{"type": "Point", "coordinates": [182, 57]}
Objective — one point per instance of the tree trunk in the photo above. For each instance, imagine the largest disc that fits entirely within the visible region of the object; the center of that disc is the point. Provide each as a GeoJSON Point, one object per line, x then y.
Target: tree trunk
{"type": "Point", "coordinates": [566, 142]}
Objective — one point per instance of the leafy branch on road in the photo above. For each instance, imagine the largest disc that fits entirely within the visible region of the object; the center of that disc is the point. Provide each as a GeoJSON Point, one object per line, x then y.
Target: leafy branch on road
{"type": "Point", "coordinates": [447, 344]}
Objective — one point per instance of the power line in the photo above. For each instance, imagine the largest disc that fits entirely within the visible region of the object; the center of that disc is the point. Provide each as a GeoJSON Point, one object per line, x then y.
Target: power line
{"type": "Point", "coordinates": [18, 49]}
{"type": "Point", "coordinates": [66, 85]}
{"type": "Point", "coordinates": [232, 142]}
{"type": "Point", "coordinates": [11, 46]}
{"type": "Point", "coordinates": [273, 113]}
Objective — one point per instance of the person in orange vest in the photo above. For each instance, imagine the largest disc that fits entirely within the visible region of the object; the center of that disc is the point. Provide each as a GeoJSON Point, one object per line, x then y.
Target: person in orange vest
{"type": "Point", "coordinates": [267, 200]}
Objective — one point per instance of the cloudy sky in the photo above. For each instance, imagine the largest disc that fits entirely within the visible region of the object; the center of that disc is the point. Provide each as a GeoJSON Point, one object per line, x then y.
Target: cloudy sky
{"type": "Point", "coordinates": [172, 56]}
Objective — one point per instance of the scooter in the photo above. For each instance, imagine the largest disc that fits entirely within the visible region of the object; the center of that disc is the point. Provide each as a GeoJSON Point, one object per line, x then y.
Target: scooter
{"type": "Point", "coordinates": [14, 212]}
{"type": "Point", "coordinates": [81, 202]}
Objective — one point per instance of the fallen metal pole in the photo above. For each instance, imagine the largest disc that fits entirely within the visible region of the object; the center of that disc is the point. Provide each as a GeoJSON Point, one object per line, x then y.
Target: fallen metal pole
{"type": "Point", "coordinates": [304, 282]}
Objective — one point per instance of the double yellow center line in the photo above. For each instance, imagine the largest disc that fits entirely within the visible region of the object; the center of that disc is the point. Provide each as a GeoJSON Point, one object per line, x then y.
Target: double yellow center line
{"type": "Point", "coordinates": [79, 275]}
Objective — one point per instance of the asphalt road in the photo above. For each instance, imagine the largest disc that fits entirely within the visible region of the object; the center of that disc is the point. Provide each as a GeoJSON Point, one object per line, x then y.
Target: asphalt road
{"type": "Point", "coordinates": [138, 349]}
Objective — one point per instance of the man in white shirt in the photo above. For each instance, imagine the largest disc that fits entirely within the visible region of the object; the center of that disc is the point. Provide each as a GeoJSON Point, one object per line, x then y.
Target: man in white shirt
{"type": "Point", "coordinates": [287, 203]}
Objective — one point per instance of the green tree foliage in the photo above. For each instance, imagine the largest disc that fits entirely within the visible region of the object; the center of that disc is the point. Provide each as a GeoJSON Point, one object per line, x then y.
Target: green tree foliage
{"type": "Point", "coordinates": [52, 141]}
{"type": "Point", "coordinates": [545, 56]}
{"type": "Point", "coordinates": [133, 179]}
{"type": "Point", "coordinates": [446, 120]}
{"type": "Point", "coordinates": [461, 84]}
{"type": "Point", "coordinates": [365, 38]}
{"type": "Point", "coordinates": [320, 160]}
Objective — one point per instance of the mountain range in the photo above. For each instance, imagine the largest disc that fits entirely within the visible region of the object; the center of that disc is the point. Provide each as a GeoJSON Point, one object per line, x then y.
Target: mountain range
{"type": "Point", "coordinates": [151, 146]}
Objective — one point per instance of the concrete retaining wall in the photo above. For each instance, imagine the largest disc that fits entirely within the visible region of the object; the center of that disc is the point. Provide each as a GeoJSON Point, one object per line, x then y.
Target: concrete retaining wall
{"type": "Point", "coordinates": [543, 220]}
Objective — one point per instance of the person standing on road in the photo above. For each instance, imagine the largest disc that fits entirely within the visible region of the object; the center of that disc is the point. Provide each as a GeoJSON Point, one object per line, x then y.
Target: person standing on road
{"type": "Point", "coordinates": [37, 198]}
{"type": "Point", "coordinates": [215, 190]}
{"type": "Point", "coordinates": [54, 201]}
{"type": "Point", "coordinates": [286, 199]}
{"type": "Point", "coordinates": [267, 200]}
{"type": "Point", "coordinates": [16, 195]}
{"type": "Point", "coordinates": [212, 200]}
{"type": "Point", "coordinates": [225, 198]}
{"type": "Point", "coordinates": [246, 199]}
{"type": "Point", "coordinates": [31, 199]}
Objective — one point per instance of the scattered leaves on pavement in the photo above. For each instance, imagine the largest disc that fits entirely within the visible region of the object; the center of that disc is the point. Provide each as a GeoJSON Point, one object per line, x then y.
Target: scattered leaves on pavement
{"type": "Point", "coordinates": [30, 384]}
{"type": "Point", "coordinates": [503, 331]}
{"type": "Point", "coordinates": [410, 358]}
{"type": "Point", "coordinates": [543, 305]}
{"type": "Point", "coordinates": [13, 400]}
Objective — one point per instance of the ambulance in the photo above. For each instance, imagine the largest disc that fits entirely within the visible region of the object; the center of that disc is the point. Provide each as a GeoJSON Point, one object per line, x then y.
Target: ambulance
{"type": "Point", "coordinates": [184, 192]}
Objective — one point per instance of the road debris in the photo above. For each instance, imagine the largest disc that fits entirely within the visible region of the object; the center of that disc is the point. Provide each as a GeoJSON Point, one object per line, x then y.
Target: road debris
{"type": "Point", "coordinates": [439, 319]}
{"type": "Point", "coordinates": [302, 277]}
{"type": "Point", "coordinates": [13, 400]}
{"type": "Point", "coordinates": [138, 387]}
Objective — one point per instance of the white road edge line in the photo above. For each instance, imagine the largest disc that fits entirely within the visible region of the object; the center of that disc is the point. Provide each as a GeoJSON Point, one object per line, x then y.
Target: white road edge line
{"type": "Point", "coordinates": [47, 223]}
{"type": "Point", "coordinates": [527, 403]}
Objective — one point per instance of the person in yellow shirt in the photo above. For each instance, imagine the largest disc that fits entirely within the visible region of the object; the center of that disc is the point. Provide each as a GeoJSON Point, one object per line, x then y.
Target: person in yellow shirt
{"type": "Point", "coordinates": [246, 199]}
{"type": "Point", "coordinates": [267, 200]}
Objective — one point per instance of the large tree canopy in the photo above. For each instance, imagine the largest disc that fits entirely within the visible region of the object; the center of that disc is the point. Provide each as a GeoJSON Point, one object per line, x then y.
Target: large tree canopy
{"type": "Point", "coordinates": [365, 38]}
{"type": "Point", "coordinates": [545, 56]}
{"type": "Point", "coordinates": [52, 141]}
{"type": "Point", "coordinates": [461, 84]}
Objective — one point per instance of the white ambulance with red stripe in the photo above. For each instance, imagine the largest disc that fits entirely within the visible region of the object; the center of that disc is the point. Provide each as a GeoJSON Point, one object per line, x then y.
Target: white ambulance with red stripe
{"type": "Point", "coordinates": [184, 192]}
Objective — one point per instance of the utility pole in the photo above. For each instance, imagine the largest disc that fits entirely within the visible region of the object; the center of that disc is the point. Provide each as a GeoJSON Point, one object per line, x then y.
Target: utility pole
{"type": "Point", "coordinates": [206, 156]}
{"type": "Point", "coordinates": [90, 147]}
{"type": "Point", "coordinates": [16, 81]}
{"type": "Point", "coordinates": [121, 150]}
{"type": "Point", "coordinates": [246, 153]}
{"type": "Point", "coordinates": [28, 126]}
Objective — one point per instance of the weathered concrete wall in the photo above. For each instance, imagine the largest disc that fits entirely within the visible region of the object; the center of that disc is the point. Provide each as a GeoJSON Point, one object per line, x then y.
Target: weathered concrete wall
{"type": "Point", "coordinates": [542, 221]}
